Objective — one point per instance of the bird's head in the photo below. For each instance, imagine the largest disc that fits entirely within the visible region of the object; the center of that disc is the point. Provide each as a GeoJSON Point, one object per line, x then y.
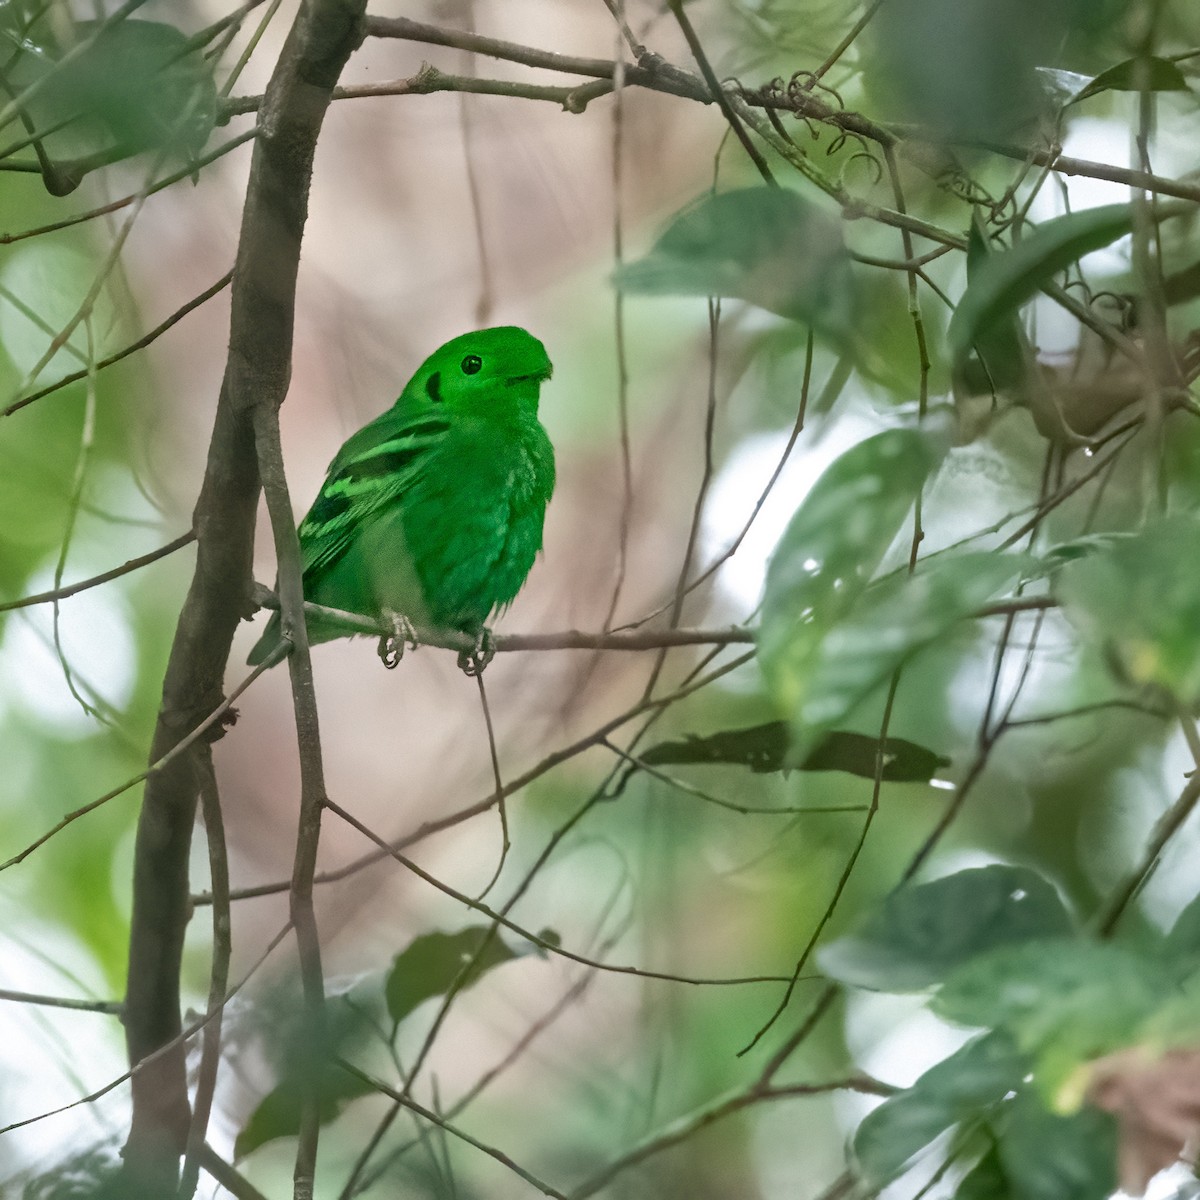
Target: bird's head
{"type": "Point", "coordinates": [485, 372]}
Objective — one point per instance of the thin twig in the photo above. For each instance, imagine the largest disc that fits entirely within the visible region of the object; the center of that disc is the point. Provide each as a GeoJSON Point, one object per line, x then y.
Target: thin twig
{"type": "Point", "coordinates": [493, 753]}
{"type": "Point", "coordinates": [231, 1179]}
{"type": "Point", "coordinates": [847, 41]}
{"type": "Point", "coordinates": [1165, 828]}
{"type": "Point", "coordinates": [710, 419]}
{"type": "Point", "coordinates": [531, 937]}
{"type": "Point", "coordinates": [552, 760]}
{"type": "Point", "coordinates": [312, 782]}
{"type": "Point", "coordinates": [408, 1102]}
{"type": "Point", "coordinates": [125, 201]}
{"type": "Point", "coordinates": [125, 351]}
{"type": "Point", "coordinates": [718, 92]}
{"type": "Point", "coordinates": [147, 1063]}
{"type": "Point", "coordinates": [724, 1106]}
{"type": "Point", "coordinates": [110, 1008]}
{"type": "Point", "coordinates": [71, 589]}
{"type": "Point", "coordinates": [177, 750]}
{"type": "Point", "coordinates": [844, 878]}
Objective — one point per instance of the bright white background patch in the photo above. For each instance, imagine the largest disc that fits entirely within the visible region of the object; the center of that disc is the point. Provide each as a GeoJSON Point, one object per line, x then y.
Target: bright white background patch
{"type": "Point", "coordinates": [98, 645]}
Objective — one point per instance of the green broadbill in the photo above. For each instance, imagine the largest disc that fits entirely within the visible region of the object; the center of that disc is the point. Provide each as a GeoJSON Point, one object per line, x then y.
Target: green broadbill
{"type": "Point", "coordinates": [433, 512]}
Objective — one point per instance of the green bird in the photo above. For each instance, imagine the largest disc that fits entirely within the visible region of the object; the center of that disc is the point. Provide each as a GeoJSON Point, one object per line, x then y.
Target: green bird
{"type": "Point", "coordinates": [432, 514]}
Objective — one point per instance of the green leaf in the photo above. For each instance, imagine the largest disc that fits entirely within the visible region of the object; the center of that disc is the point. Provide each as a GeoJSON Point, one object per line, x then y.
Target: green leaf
{"type": "Point", "coordinates": [1139, 599]}
{"type": "Point", "coordinates": [922, 932]}
{"type": "Point", "coordinates": [278, 1113]}
{"type": "Point", "coordinates": [1151, 74]}
{"type": "Point", "coordinates": [432, 963]}
{"type": "Point", "coordinates": [1005, 281]}
{"type": "Point", "coordinates": [892, 621]}
{"type": "Point", "coordinates": [428, 967]}
{"type": "Point", "coordinates": [831, 548]}
{"type": "Point", "coordinates": [139, 85]}
{"type": "Point", "coordinates": [287, 1031]}
{"type": "Point", "coordinates": [1182, 946]}
{"type": "Point", "coordinates": [770, 246]}
{"type": "Point", "coordinates": [764, 748]}
{"type": "Point", "coordinates": [986, 1180]}
{"type": "Point", "coordinates": [971, 1081]}
{"type": "Point", "coordinates": [1001, 354]}
{"type": "Point", "coordinates": [1048, 1157]}
{"type": "Point", "coordinates": [1065, 999]}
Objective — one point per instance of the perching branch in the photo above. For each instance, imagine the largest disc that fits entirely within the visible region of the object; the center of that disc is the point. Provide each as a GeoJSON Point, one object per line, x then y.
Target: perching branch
{"type": "Point", "coordinates": [576, 639]}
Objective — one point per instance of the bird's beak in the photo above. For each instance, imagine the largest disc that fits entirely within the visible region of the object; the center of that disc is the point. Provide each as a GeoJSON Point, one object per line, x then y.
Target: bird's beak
{"type": "Point", "coordinates": [540, 376]}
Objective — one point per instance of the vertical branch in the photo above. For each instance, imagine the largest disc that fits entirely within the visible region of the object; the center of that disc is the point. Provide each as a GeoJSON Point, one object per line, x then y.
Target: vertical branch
{"type": "Point", "coordinates": [256, 378]}
{"type": "Point", "coordinates": [210, 1042]}
{"type": "Point", "coordinates": [466, 113]}
{"type": "Point", "coordinates": [689, 553]}
{"type": "Point", "coordinates": [618, 238]}
{"type": "Point", "coordinates": [312, 788]}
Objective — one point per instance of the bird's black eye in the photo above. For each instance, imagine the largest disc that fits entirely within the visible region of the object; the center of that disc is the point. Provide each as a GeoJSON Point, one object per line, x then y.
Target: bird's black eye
{"type": "Point", "coordinates": [472, 364]}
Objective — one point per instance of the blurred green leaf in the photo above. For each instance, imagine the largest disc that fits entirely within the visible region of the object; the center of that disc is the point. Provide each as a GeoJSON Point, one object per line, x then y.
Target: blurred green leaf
{"type": "Point", "coordinates": [431, 964]}
{"type": "Point", "coordinates": [1140, 599]}
{"type": "Point", "coordinates": [427, 968]}
{"type": "Point", "coordinates": [139, 85]}
{"type": "Point", "coordinates": [921, 933]}
{"type": "Point", "coordinates": [1176, 1022]}
{"type": "Point", "coordinates": [1048, 1157]}
{"type": "Point", "coordinates": [770, 246]}
{"type": "Point", "coordinates": [1005, 281]}
{"type": "Point", "coordinates": [764, 748]}
{"type": "Point", "coordinates": [1151, 74]}
{"type": "Point", "coordinates": [1183, 942]}
{"type": "Point", "coordinates": [831, 548]}
{"type": "Point", "coordinates": [1001, 356]}
{"type": "Point", "coordinates": [892, 621]}
{"type": "Point", "coordinates": [986, 1180]}
{"type": "Point", "coordinates": [286, 1031]}
{"type": "Point", "coordinates": [972, 1080]}
{"type": "Point", "coordinates": [1066, 999]}
{"type": "Point", "coordinates": [278, 1113]}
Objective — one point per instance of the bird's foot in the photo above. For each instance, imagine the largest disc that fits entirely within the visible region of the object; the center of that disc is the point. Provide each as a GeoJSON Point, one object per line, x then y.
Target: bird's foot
{"type": "Point", "coordinates": [472, 662]}
{"type": "Point", "coordinates": [392, 646]}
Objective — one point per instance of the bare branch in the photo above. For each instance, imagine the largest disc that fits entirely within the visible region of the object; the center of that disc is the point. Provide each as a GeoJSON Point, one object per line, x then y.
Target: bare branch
{"type": "Point", "coordinates": [426, 1114]}
{"type": "Point", "coordinates": [533, 938]}
{"type": "Point", "coordinates": [72, 589]}
{"type": "Point", "coordinates": [717, 1110]}
{"type": "Point", "coordinates": [109, 1007]}
{"type": "Point", "coordinates": [125, 351]}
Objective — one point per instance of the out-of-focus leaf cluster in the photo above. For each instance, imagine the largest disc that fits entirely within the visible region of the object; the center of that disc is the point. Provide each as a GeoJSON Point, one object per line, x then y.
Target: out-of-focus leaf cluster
{"type": "Point", "coordinates": [1004, 955]}
{"type": "Point", "coordinates": [94, 92]}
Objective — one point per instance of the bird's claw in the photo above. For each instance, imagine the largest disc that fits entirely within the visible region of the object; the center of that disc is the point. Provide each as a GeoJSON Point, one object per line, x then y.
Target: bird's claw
{"type": "Point", "coordinates": [392, 646]}
{"type": "Point", "coordinates": [472, 662]}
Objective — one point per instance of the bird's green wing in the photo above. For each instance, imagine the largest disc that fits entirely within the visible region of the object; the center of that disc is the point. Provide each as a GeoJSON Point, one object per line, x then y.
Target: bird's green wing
{"type": "Point", "coordinates": [375, 468]}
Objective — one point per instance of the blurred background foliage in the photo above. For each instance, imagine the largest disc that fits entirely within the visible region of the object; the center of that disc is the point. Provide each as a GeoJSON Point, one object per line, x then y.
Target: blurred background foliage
{"type": "Point", "coordinates": [1049, 431]}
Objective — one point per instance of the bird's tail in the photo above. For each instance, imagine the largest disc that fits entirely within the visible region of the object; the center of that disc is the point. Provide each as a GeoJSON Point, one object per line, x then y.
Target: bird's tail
{"type": "Point", "coordinates": [266, 644]}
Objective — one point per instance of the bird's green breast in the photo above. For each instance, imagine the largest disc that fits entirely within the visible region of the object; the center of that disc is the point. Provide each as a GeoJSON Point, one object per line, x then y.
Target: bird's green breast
{"type": "Point", "coordinates": [472, 526]}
